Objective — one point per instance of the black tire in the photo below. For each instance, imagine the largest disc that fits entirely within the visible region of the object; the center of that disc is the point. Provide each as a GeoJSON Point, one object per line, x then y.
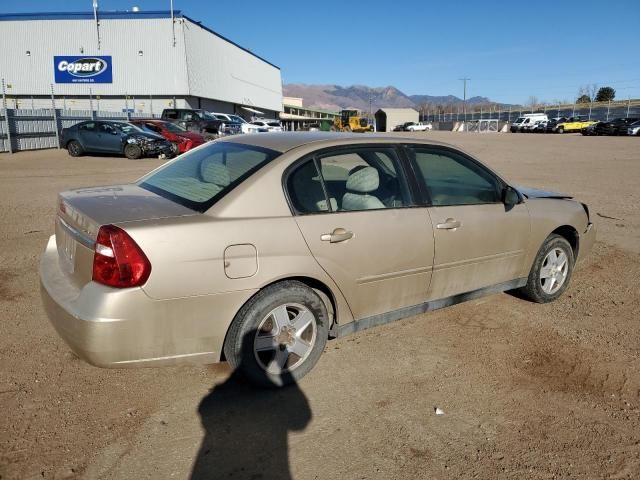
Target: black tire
{"type": "Point", "coordinates": [74, 148]}
{"type": "Point", "coordinates": [132, 151]}
{"type": "Point", "coordinates": [239, 344]}
{"type": "Point", "coordinates": [560, 130]}
{"type": "Point", "coordinates": [534, 289]}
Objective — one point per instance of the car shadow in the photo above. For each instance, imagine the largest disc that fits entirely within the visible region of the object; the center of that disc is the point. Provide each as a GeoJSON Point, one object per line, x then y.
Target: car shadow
{"type": "Point", "coordinates": [246, 429]}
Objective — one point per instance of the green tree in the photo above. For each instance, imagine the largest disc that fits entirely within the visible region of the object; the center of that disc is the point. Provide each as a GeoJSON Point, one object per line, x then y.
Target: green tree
{"type": "Point", "coordinates": [605, 94]}
{"type": "Point", "coordinates": [584, 99]}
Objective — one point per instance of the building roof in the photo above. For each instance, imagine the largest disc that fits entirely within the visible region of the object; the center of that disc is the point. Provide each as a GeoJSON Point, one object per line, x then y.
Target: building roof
{"type": "Point", "coordinates": [397, 110]}
{"type": "Point", "coordinates": [119, 15]}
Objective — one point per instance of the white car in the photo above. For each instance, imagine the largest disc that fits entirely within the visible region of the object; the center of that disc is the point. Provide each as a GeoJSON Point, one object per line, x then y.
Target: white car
{"type": "Point", "coordinates": [420, 127]}
{"type": "Point", "coordinates": [634, 128]}
{"type": "Point", "coordinates": [270, 125]}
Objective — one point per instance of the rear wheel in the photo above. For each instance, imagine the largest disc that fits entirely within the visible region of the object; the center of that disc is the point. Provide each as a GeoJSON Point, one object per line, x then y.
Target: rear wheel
{"type": "Point", "coordinates": [74, 148]}
{"type": "Point", "coordinates": [551, 270]}
{"type": "Point", "coordinates": [278, 336]}
{"type": "Point", "coordinates": [132, 151]}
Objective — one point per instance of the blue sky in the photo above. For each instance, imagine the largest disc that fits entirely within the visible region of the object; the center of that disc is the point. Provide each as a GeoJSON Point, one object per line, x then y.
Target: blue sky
{"type": "Point", "coordinates": [510, 50]}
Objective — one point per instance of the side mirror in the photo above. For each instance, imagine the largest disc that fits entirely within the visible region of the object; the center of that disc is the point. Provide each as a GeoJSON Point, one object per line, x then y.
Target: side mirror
{"type": "Point", "coordinates": [510, 196]}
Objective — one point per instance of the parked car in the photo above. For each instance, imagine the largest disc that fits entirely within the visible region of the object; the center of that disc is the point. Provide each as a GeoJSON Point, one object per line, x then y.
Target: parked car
{"type": "Point", "coordinates": [195, 120]}
{"type": "Point", "coordinates": [257, 248]}
{"type": "Point", "coordinates": [243, 125]}
{"type": "Point", "coordinates": [419, 127]}
{"type": "Point", "coordinates": [552, 124]}
{"type": "Point", "coordinates": [102, 136]}
{"type": "Point", "coordinates": [523, 122]}
{"type": "Point", "coordinates": [634, 128]}
{"type": "Point", "coordinates": [590, 130]}
{"type": "Point", "coordinates": [617, 126]}
{"type": "Point", "coordinates": [180, 137]}
{"type": "Point", "coordinates": [231, 126]}
{"type": "Point", "coordinates": [573, 124]}
{"type": "Point", "coordinates": [269, 125]}
{"type": "Point", "coordinates": [535, 127]}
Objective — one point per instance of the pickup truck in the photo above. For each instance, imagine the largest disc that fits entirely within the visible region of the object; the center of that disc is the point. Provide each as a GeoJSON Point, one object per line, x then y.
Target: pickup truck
{"type": "Point", "coordinates": [195, 120]}
{"type": "Point", "coordinates": [573, 124]}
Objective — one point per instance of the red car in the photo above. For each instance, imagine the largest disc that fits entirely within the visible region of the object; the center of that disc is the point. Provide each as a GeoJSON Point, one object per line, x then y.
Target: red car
{"type": "Point", "coordinates": [183, 139]}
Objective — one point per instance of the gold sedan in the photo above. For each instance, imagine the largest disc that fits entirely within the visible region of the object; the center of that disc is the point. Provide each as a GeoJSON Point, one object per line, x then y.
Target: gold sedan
{"type": "Point", "coordinates": [257, 249]}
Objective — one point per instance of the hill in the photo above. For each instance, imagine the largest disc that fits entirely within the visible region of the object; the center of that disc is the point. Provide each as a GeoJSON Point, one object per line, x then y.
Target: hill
{"type": "Point", "coordinates": [336, 97]}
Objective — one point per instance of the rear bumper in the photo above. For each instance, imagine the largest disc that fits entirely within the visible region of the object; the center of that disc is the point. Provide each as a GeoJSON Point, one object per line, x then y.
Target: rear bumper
{"type": "Point", "coordinates": [110, 327]}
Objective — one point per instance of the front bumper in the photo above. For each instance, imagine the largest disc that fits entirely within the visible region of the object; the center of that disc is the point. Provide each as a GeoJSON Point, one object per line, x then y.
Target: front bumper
{"type": "Point", "coordinates": [110, 327]}
{"type": "Point", "coordinates": [587, 239]}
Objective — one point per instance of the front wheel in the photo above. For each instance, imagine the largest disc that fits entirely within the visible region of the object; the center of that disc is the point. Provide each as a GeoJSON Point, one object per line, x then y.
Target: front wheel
{"type": "Point", "coordinates": [551, 271]}
{"type": "Point", "coordinates": [278, 336]}
{"type": "Point", "coordinates": [560, 130]}
{"type": "Point", "coordinates": [132, 151]}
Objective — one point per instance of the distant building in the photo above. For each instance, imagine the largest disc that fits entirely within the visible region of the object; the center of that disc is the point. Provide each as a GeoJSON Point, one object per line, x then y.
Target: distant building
{"type": "Point", "coordinates": [296, 117]}
{"type": "Point", "coordinates": [389, 118]}
{"type": "Point", "coordinates": [140, 61]}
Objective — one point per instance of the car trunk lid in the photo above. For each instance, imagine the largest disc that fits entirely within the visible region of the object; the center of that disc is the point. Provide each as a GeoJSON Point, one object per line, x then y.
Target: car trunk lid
{"type": "Point", "coordinates": [81, 212]}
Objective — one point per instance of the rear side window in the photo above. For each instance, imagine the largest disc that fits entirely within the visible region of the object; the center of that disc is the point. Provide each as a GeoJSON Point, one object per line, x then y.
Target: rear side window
{"type": "Point", "coordinates": [88, 127]}
{"type": "Point", "coordinates": [452, 179]}
{"type": "Point", "coordinates": [353, 180]}
{"type": "Point", "coordinates": [199, 178]}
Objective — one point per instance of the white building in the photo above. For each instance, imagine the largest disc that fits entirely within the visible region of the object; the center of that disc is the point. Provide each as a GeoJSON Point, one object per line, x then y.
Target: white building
{"type": "Point", "coordinates": [389, 118]}
{"type": "Point", "coordinates": [140, 61]}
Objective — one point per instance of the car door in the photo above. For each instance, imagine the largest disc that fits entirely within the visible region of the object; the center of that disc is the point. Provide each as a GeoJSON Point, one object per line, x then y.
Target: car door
{"type": "Point", "coordinates": [109, 138]}
{"type": "Point", "coordinates": [479, 241]}
{"type": "Point", "coordinates": [355, 211]}
{"type": "Point", "coordinates": [88, 136]}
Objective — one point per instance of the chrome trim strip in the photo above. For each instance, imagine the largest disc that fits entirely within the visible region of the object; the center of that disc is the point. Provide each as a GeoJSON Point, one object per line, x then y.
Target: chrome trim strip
{"type": "Point", "coordinates": [76, 235]}
{"type": "Point", "coordinates": [395, 315]}
{"type": "Point", "coordinates": [400, 273]}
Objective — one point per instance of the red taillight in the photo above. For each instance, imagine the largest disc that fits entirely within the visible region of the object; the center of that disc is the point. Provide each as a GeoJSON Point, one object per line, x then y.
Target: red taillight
{"type": "Point", "coordinates": [118, 261]}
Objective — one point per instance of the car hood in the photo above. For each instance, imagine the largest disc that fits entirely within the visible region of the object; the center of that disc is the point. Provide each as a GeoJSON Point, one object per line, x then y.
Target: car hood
{"type": "Point", "coordinates": [191, 135]}
{"type": "Point", "coordinates": [537, 193]}
{"type": "Point", "coordinates": [149, 135]}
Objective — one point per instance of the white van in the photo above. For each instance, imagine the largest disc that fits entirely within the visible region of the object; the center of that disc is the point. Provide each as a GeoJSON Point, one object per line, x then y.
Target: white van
{"type": "Point", "coordinates": [528, 120]}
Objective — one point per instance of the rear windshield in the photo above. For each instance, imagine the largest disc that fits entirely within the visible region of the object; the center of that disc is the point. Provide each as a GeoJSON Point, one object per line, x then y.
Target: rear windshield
{"type": "Point", "coordinates": [200, 178]}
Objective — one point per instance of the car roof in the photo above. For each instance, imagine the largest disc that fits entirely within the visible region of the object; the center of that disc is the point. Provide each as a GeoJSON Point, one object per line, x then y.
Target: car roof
{"type": "Point", "coordinates": [285, 141]}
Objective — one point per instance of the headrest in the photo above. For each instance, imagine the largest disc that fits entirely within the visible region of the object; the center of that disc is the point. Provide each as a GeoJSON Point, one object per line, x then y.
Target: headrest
{"type": "Point", "coordinates": [213, 172]}
{"type": "Point", "coordinates": [364, 180]}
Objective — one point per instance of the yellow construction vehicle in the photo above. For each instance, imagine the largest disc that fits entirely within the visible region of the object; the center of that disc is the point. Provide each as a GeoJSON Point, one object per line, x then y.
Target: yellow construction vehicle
{"type": "Point", "coordinates": [350, 121]}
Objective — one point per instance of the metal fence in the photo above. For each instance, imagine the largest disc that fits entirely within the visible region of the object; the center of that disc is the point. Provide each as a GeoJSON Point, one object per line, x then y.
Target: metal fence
{"type": "Point", "coordinates": [602, 111]}
{"type": "Point", "coordinates": [26, 129]}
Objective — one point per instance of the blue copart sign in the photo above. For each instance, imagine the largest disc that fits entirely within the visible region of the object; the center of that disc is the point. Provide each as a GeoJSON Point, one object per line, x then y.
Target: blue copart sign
{"type": "Point", "coordinates": [85, 69]}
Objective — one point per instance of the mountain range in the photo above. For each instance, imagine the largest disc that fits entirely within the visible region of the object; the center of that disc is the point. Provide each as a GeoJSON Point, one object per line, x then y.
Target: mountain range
{"type": "Point", "coordinates": [335, 97]}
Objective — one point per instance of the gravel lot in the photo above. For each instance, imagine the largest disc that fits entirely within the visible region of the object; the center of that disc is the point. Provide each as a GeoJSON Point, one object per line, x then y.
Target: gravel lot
{"type": "Point", "coordinates": [528, 391]}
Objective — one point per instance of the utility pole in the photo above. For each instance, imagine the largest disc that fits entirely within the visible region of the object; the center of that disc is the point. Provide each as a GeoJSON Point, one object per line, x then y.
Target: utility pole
{"type": "Point", "coordinates": [464, 97]}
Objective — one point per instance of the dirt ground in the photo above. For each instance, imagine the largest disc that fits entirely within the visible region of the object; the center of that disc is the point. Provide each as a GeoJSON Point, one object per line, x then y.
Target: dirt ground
{"type": "Point", "coordinates": [528, 391]}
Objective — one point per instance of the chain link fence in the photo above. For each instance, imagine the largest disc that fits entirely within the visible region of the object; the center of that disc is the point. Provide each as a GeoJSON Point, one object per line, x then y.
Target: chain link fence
{"type": "Point", "coordinates": [601, 111]}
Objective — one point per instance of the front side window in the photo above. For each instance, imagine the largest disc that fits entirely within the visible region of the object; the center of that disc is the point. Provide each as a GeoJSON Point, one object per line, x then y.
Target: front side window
{"type": "Point", "coordinates": [201, 177]}
{"type": "Point", "coordinates": [361, 179]}
{"type": "Point", "coordinates": [452, 179]}
{"type": "Point", "coordinates": [88, 127]}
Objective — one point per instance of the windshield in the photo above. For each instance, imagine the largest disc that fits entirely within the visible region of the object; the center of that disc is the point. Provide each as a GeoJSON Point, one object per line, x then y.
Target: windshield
{"type": "Point", "coordinates": [127, 127]}
{"type": "Point", "coordinates": [238, 118]}
{"type": "Point", "coordinates": [201, 177]}
{"type": "Point", "coordinates": [520, 120]}
{"type": "Point", "coordinates": [205, 115]}
{"type": "Point", "coordinates": [274, 124]}
{"type": "Point", "coordinates": [172, 127]}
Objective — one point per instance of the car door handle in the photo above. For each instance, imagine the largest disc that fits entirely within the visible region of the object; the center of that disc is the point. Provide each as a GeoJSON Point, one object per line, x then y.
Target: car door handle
{"type": "Point", "coordinates": [338, 235]}
{"type": "Point", "coordinates": [449, 224]}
